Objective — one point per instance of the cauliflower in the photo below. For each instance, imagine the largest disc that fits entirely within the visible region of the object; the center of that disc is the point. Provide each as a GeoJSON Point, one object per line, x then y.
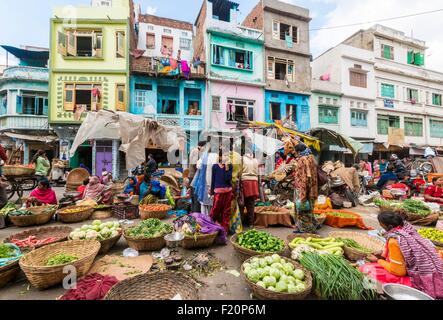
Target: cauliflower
{"type": "Point", "coordinates": [105, 232]}
{"type": "Point", "coordinates": [114, 233]}
{"type": "Point", "coordinates": [91, 235]}
{"type": "Point", "coordinates": [77, 235]}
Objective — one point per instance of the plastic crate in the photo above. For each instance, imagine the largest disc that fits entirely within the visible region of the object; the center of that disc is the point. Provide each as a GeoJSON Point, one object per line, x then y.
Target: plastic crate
{"type": "Point", "coordinates": [125, 211]}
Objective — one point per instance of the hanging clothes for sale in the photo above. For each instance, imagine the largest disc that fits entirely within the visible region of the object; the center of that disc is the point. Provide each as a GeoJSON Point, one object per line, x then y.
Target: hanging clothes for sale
{"type": "Point", "coordinates": [185, 68]}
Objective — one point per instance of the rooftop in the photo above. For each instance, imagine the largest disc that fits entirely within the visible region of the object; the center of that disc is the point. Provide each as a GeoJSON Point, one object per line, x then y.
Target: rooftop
{"type": "Point", "coordinates": [166, 22]}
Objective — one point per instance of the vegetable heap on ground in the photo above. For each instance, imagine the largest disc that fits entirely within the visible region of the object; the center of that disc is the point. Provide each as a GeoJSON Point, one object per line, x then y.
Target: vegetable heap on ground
{"type": "Point", "coordinates": [74, 210]}
{"type": "Point", "coordinates": [155, 207]}
{"type": "Point", "coordinates": [432, 234]}
{"type": "Point", "coordinates": [60, 259]}
{"type": "Point", "coordinates": [409, 205]}
{"type": "Point", "coordinates": [151, 228]}
{"type": "Point", "coordinates": [7, 209]}
{"type": "Point", "coordinates": [20, 213]}
{"type": "Point", "coordinates": [32, 241]}
{"type": "Point", "coordinates": [96, 231]}
{"type": "Point", "coordinates": [335, 279]}
{"type": "Point", "coordinates": [320, 245]}
{"type": "Point", "coordinates": [6, 251]}
{"type": "Point", "coordinates": [274, 273]}
{"type": "Point", "coordinates": [260, 241]}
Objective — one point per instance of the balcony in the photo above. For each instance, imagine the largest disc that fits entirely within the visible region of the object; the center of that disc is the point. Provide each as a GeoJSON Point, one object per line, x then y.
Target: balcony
{"type": "Point", "coordinates": [219, 26]}
{"type": "Point", "coordinates": [23, 122]}
{"type": "Point", "coordinates": [26, 73]}
{"type": "Point", "coordinates": [156, 66]}
{"type": "Point", "coordinates": [192, 123]}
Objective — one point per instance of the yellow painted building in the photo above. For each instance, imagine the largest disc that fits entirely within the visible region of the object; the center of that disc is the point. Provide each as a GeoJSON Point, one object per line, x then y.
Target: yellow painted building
{"type": "Point", "coordinates": [89, 71]}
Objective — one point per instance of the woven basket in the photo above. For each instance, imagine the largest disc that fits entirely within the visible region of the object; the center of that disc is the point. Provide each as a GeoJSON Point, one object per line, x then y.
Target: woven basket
{"type": "Point", "coordinates": [101, 214]}
{"type": "Point", "coordinates": [83, 215]}
{"type": "Point", "coordinates": [145, 215]}
{"type": "Point", "coordinates": [107, 244]}
{"type": "Point", "coordinates": [15, 171]}
{"type": "Point", "coordinates": [8, 273]}
{"type": "Point", "coordinates": [42, 277]}
{"type": "Point", "coordinates": [125, 211]}
{"type": "Point", "coordinates": [371, 243]}
{"type": "Point", "coordinates": [118, 188]}
{"type": "Point", "coordinates": [200, 241]}
{"type": "Point", "coordinates": [34, 220]}
{"type": "Point", "coordinates": [59, 232]}
{"type": "Point", "coordinates": [246, 253]}
{"type": "Point", "coordinates": [76, 177]}
{"type": "Point", "coordinates": [42, 209]}
{"type": "Point", "coordinates": [263, 294]}
{"type": "Point", "coordinates": [147, 244]}
{"type": "Point", "coordinates": [163, 285]}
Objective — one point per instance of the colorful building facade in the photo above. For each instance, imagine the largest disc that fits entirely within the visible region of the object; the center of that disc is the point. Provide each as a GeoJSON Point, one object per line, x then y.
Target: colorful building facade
{"type": "Point", "coordinates": [234, 58]}
{"type": "Point", "coordinates": [89, 71]}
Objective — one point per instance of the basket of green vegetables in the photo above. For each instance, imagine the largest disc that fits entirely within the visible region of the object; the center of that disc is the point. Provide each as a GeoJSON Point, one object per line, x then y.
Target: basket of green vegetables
{"type": "Point", "coordinates": [148, 235]}
{"type": "Point", "coordinates": [358, 245]}
{"type": "Point", "coordinates": [253, 243]}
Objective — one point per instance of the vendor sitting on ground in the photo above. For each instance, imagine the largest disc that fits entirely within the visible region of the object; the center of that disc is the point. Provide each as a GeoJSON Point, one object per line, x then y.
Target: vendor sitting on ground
{"type": "Point", "coordinates": [418, 182]}
{"type": "Point", "coordinates": [98, 192]}
{"type": "Point", "coordinates": [82, 188]}
{"type": "Point", "coordinates": [403, 185]}
{"type": "Point", "coordinates": [42, 195]}
{"type": "Point", "coordinates": [434, 193]}
{"type": "Point", "coordinates": [408, 258]}
{"type": "Point", "coordinates": [151, 190]}
{"type": "Point", "coordinates": [131, 187]}
{"type": "Point", "coordinates": [388, 178]}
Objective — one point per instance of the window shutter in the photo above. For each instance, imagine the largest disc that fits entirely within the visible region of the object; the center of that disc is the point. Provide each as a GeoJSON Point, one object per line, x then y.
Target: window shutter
{"type": "Point", "coordinates": [411, 57]}
{"type": "Point", "coordinates": [120, 98]}
{"type": "Point", "coordinates": [61, 48]}
{"type": "Point", "coordinates": [72, 43]}
{"type": "Point", "coordinates": [19, 105]}
{"type": "Point", "coordinates": [150, 41]}
{"type": "Point", "coordinates": [121, 44]}
{"type": "Point", "coordinates": [45, 106]}
{"type": "Point", "coordinates": [295, 34]}
{"type": "Point", "coordinates": [69, 100]}
{"type": "Point", "coordinates": [275, 29]}
{"type": "Point", "coordinates": [97, 40]}
{"type": "Point", "coordinates": [271, 68]}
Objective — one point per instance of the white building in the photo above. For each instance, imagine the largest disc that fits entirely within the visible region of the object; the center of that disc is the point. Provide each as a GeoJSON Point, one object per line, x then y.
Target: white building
{"type": "Point", "coordinates": [409, 96]}
{"type": "Point", "coordinates": [344, 100]}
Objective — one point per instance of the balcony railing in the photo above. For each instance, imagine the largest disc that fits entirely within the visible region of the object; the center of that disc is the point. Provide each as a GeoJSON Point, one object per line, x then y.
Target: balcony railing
{"type": "Point", "coordinates": [234, 29]}
{"type": "Point", "coordinates": [23, 121]}
{"type": "Point", "coordinates": [167, 67]}
{"type": "Point", "coordinates": [26, 73]}
{"type": "Point", "coordinates": [192, 123]}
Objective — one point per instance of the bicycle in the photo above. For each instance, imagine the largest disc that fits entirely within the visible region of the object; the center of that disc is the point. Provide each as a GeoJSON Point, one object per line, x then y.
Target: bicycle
{"type": "Point", "coordinates": [19, 185]}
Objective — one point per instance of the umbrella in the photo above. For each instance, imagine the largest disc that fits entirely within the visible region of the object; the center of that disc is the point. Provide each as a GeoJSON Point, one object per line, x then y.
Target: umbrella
{"type": "Point", "coordinates": [330, 137]}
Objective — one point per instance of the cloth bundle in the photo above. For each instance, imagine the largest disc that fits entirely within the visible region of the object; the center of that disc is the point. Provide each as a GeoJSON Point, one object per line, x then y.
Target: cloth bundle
{"type": "Point", "coordinates": [92, 287]}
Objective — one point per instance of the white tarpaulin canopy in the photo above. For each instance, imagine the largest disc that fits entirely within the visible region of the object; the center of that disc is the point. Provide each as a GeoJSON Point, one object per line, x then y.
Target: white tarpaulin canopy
{"type": "Point", "coordinates": [135, 133]}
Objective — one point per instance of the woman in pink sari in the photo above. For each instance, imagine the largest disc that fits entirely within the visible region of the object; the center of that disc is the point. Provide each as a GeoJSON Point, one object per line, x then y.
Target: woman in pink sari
{"type": "Point", "coordinates": [408, 259]}
{"type": "Point", "coordinates": [43, 194]}
{"type": "Point", "coordinates": [98, 191]}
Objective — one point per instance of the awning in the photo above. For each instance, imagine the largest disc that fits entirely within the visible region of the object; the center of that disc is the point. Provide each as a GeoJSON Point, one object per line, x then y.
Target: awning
{"type": "Point", "coordinates": [330, 137]}
{"type": "Point", "coordinates": [368, 148]}
{"type": "Point", "coordinates": [45, 139]}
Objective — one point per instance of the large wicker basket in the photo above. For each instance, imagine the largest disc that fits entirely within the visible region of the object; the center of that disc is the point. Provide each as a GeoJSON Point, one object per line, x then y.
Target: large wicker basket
{"type": "Point", "coordinates": [76, 177]}
{"type": "Point", "coordinates": [107, 244]}
{"type": "Point", "coordinates": [263, 294]}
{"type": "Point", "coordinates": [199, 241]}
{"type": "Point", "coordinates": [8, 273]}
{"type": "Point", "coordinates": [163, 285]}
{"type": "Point", "coordinates": [146, 244]}
{"type": "Point", "coordinates": [33, 220]}
{"type": "Point", "coordinates": [145, 215]}
{"type": "Point", "coordinates": [59, 232]}
{"type": "Point", "coordinates": [246, 253]}
{"type": "Point", "coordinates": [42, 277]}
{"type": "Point", "coordinates": [366, 241]}
{"type": "Point", "coordinates": [80, 216]}
{"type": "Point", "coordinates": [18, 171]}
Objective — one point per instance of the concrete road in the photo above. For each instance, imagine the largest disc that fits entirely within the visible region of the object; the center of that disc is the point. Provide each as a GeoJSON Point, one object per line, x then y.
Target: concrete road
{"type": "Point", "coordinates": [220, 286]}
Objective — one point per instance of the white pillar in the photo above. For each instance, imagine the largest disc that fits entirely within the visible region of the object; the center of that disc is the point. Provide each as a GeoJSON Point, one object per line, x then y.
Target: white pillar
{"type": "Point", "coordinates": [115, 159]}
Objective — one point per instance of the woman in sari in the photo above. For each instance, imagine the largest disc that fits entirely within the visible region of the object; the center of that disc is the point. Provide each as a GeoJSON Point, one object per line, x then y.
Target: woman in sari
{"type": "Point", "coordinates": [131, 188]}
{"type": "Point", "coordinates": [97, 191]}
{"type": "Point", "coordinates": [43, 194]}
{"type": "Point", "coordinates": [408, 258]}
{"type": "Point", "coordinates": [306, 189]}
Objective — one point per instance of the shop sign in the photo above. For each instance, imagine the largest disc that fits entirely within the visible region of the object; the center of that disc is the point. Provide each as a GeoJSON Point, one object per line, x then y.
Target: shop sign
{"type": "Point", "coordinates": [389, 103]}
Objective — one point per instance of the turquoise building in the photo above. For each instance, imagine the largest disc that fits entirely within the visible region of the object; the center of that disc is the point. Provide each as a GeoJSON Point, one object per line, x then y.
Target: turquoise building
{"type": "Point", "coordinates": [24, 125]}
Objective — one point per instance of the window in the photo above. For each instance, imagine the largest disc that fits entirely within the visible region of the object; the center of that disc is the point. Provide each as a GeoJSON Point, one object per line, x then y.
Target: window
{"type": "Point", "coordinates": [150, 27]}
{"type": "Point", "coordinates": [436, 99]}
{"type": "Point", "coordinates": [413, 127]}
{"type": "Point", "coordinates": [240, 110]}
{"type": "Point", "coordinates": [120, 97]}
{"type": "Point", "coordinates": [80, 43]}
{"type": "Point", "coordinates": [120, 44]}
{"type": "Point", "coordinates": [352, 104]}
{"type": "Point", "coordinates": [436, 128]}
{"type": "Point", "coordinates": [184, 34]}
{"type": "Point", "coordinates": [387, 52]}
{"type": "Point", "coordinates": [359, 118]}
{"type": "Point", "coordinates": [387, 91]}
{"type": "Point", "coordinates": [416, 58]}
{"type": "Point", "coordinates": [412, 95]}
{"type": "Point", "coordinates": [168, 100]}
{"type": "Point", "coordinates": [291, 112]}
{"type": "Point", "coordinates": [185, 44]}
{"type": "Point", "coordinates": [275, 111]}
{"type": "Point", "coordinates": [386, 122]}
{"type": "Point", "coordinates": [150, 40]}
{"type": "Point", "coordinates": [167, 31]}
{"type": "Point", "coordinates": [284, 32]}
{"type": "Point", "coordinates": [167, 45]}
{"type": "Point", "coordinates": [142, 95]}
{"type": "Point", "coordinates": [335, 102]}
{"type": "Point", "coordinates": [232, 58]}
{"type": "Point", "coordinates": [328, 115]}
{"type": "Point", "coordinates": [328, 100]}
{"type": "Point", "coordinates": [320, 99]}
{"type": "Point", "coordinates": [216, 103]}
{"type": "Point", "coordinates": [32, 104]}
{"type": "Point", "coordinates": [358, 78]}
{"type": "Point", "coordinates": [280, 69]}
{"type": "Point", "coordinates": [82, 95]}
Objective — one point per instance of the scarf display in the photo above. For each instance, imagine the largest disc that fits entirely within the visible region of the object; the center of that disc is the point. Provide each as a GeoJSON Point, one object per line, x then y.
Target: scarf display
{"type": "Point", "coordinates": [423, 264]}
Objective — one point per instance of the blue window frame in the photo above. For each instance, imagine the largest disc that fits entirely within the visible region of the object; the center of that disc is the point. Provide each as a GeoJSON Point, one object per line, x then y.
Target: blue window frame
{"type": "Point", "coordinates": [359, 118]}
{"type": "Point", "coordinates": [232, 58]}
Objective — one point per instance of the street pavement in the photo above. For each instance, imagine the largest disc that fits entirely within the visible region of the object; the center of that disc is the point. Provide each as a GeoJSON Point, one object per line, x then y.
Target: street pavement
{"type": "Point", "coordinates": [220, 286]}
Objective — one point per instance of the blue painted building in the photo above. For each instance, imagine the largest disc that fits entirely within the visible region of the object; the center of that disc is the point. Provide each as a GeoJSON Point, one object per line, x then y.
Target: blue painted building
{"type": "Point", "coordinates": [24, 125]}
